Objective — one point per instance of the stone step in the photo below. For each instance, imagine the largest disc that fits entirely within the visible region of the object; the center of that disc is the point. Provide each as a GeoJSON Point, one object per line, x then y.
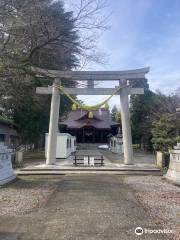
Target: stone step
{"type": "Point", "coordinates": [59, 171]}
{"type": "Point", "coordinates": [88, 169]}
{"type": "Point", "coordinates": [22, 173]}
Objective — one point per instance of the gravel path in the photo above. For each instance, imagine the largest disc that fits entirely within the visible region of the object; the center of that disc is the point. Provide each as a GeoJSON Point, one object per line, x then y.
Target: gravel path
{"type": "Point", "coordinates": [160, 198]}
{"type": "Point", "coordinates": [84, 207]}
{"type": "Point", "coordinates": [22, 196]}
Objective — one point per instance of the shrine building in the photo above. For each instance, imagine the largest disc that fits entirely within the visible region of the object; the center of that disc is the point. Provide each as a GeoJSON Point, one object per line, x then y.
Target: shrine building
{"type": "Point", "coordinates": [90, 127]}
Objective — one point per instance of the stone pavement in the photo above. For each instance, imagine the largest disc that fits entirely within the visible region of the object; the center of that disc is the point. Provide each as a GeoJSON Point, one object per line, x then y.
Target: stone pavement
{"type": "Point", "coordinates": [91, 207]}
{"type": "Point", "coordinates": [113, 164]}
{"type": "Point", "coordinates": [110, 159]}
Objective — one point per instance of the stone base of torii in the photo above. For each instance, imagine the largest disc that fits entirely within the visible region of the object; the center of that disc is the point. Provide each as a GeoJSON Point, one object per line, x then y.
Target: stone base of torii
{"type": "Point", "coordinates": [122, 76]}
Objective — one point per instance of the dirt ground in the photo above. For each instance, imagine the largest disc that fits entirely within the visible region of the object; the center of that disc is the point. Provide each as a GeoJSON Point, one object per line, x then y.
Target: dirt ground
{"type": "Point", "coordinates": [92, 207]}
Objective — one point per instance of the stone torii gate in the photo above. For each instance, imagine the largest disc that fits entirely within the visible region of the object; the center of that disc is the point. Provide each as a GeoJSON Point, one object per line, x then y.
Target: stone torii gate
{"type": "Point", "coordinates": [90, 76]}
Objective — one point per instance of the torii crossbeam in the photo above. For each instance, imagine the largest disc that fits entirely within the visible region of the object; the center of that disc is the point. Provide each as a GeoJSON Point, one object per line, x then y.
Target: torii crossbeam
{"type": "Point", "coordinates": [91, 76]}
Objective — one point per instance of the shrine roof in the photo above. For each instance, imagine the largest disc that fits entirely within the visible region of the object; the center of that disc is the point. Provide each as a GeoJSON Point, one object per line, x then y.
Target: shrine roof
{"type": "Point", "coordinates": [79, 119]}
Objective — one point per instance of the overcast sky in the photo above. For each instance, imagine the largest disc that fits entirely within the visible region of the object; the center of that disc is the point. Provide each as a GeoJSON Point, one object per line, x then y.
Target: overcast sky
{"type": "Point", "coordinates": [143, 33]}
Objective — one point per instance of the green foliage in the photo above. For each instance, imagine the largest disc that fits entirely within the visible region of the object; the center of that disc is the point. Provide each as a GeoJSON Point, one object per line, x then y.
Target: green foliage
{"type": "Point", "coordinates": [33, 33]}
{"type": "Point", "coordinates": [141, 113]}
{"type": "Point", "coordinates": [147, 108]}
{"type": "Point", "coordinates": [165, 132]}
{"type": "Point", "coordinates": [116, 115]}
{"type": "Point", "coordinates": [31, 121]}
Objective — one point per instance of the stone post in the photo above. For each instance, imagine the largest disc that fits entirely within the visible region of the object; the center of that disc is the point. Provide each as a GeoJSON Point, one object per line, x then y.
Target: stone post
{"type": "Point", "coordinates": [53, 125]}
{"type": "Point", "coordinates": [126, 127]}
{"type": "Point", "coordinates": [173, 173]}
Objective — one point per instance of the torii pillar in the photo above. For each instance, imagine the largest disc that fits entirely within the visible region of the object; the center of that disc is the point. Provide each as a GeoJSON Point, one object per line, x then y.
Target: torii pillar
{"type": "Point", "coordinates": [126, 126]}
{"type": "Point", "coordinates": [53, 124]}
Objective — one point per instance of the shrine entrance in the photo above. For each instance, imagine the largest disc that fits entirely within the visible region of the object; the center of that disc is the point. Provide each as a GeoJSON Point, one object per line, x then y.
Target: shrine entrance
{"type": "Point", "coordinates": [126, 80]}
{"type": "Point", "coordinates": [88, 134]}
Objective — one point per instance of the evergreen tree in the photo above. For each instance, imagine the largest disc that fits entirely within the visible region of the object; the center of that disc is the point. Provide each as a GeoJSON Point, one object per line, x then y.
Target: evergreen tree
{"type": "Point", "coordinates": [140, 107]}
{"type": "Point", "coordinates": [33, 33]}
{"type": "Point", "coordinates": [166, 131]}
{"type": "Point", "coordinates": [147, 108]}
{"type": "Point", "coordinates": [116, 114]}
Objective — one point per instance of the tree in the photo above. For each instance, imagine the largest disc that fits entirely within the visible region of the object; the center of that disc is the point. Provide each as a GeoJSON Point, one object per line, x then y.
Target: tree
{"type": "Point", "coordinates": [33, 33]}
{"type": "Point", "coordinates": [42, 34]}
{"type": "Point", "coordinates": [166, 131]}
{"type": "Point", "coordinates": [113, 113]}
{"type": "Point", "coordinates": [146, 109]}
{"type": "Point", "coordinates": [116, 114]}
{"type": "Point", "coordinates": [141, 108]}
{"type": "Point", "coordinates": [37, 33]}
{"type": "Point", "coordinates": [90, 22]}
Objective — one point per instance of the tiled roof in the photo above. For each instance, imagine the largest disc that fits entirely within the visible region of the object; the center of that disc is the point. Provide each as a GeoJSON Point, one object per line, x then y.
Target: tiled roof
{"type": "Point", "coordinates": [79, 119]}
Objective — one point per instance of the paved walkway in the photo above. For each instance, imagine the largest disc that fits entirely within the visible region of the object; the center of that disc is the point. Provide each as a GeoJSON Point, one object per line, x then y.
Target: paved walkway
{"type": "Point", "coordinates": [96, 207]}
{"type": "Point", "coordinates": [138, 156]}
{"type": "Point", "coordinates": [111, 160]}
